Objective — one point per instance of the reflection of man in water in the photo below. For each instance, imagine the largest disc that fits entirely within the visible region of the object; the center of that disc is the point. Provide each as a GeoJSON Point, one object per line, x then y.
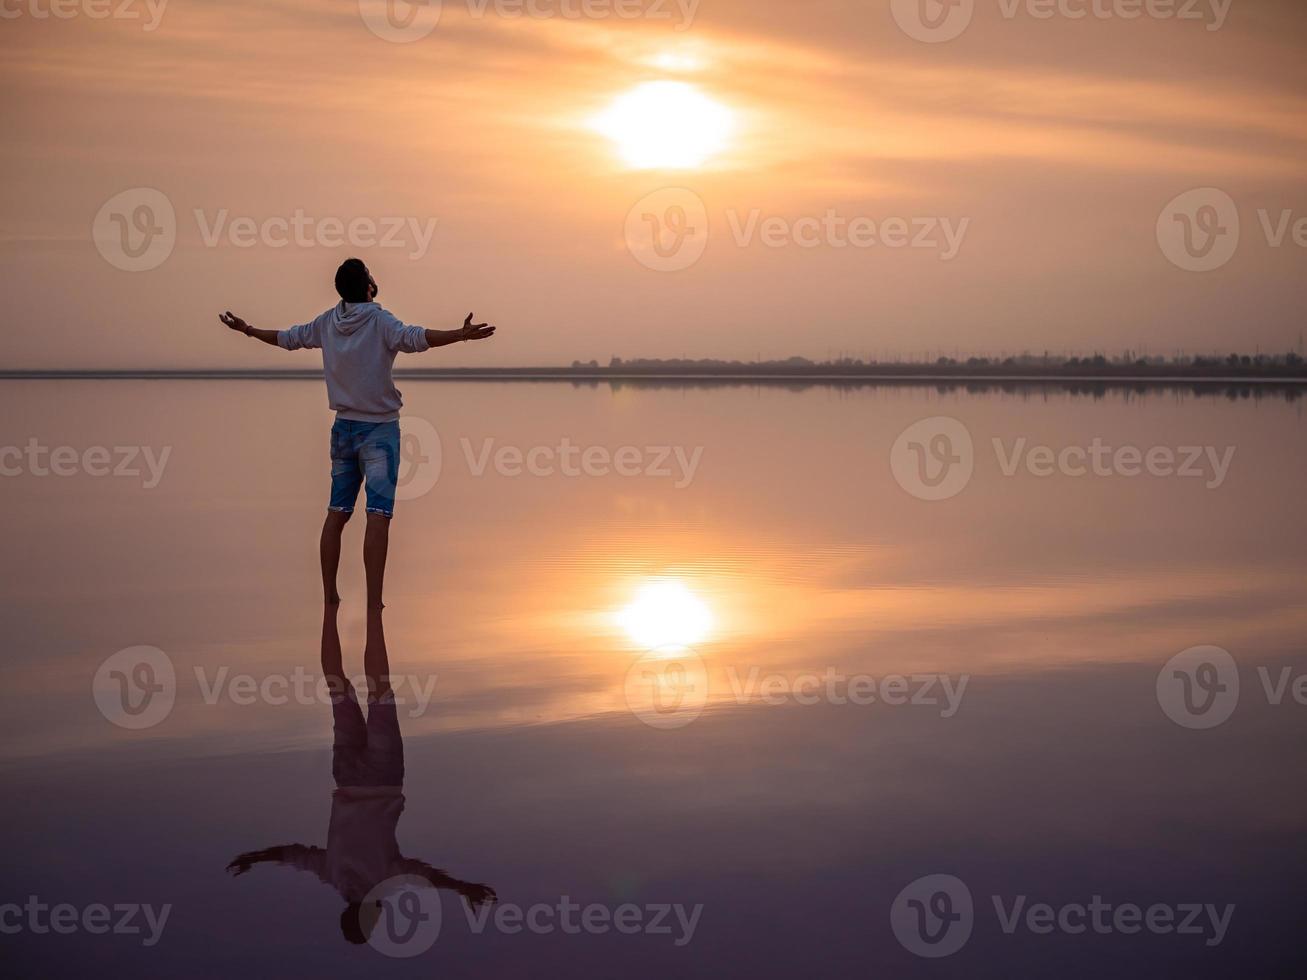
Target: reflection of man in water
{"type": "Point", "coordinates": [367, 762]}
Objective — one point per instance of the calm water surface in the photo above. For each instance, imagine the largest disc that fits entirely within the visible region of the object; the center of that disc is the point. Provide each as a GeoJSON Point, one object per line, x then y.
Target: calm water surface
{"type": "Point", "coordinates": [853, 687]}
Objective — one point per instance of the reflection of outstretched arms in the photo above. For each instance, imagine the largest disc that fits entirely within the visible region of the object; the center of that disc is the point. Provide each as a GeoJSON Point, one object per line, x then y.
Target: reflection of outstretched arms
{"type": "Point", "coordinates": [297, 855]}
{"type": "Point", "coordinates": [475, 894]}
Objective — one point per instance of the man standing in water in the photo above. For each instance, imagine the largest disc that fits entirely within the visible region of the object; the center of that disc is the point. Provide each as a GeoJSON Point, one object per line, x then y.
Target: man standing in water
{"type": "Point", "coordinates": [359, 341]}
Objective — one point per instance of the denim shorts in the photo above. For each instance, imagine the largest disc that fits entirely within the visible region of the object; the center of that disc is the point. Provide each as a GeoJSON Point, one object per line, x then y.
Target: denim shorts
{"type": "Point", "coordinates": [364, 451]}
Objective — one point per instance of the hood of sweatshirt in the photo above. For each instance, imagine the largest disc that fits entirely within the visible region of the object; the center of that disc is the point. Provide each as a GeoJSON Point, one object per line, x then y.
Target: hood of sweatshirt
{"type": "Point", "coordinates": [348, 317]}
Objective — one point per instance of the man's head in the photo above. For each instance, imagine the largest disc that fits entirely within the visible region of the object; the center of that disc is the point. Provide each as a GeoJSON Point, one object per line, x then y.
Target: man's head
{"type": "Point", "coordinates": [354, 283]}
{"type": "Point", "coordinates": [357, 922]}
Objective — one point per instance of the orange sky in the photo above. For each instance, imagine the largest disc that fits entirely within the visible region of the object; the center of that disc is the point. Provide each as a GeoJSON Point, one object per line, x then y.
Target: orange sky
{"type": "Point", "coordinates": [1049, 147]}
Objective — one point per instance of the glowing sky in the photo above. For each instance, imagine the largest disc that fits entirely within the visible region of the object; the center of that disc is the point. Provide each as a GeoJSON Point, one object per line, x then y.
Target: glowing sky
{"type": "Point", "coordinates": [1031, 158]}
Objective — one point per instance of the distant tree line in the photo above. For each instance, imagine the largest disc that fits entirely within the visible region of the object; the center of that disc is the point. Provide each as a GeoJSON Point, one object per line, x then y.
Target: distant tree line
{"type": "Point", "coordinates": [1125, 365]}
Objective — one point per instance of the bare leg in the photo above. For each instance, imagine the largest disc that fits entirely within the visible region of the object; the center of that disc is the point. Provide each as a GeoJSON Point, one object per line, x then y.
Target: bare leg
{"type": "Point", "coordinates": [332, 667]}
{"type": "Point", "coordinates": [329, 549]}
{"type": "Point", "coordinates": [376, 541]}
{"type": "Point", "coordinates": [376, 661]}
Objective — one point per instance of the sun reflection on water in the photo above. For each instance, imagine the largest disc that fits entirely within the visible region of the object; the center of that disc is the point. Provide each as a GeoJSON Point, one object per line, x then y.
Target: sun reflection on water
{"type": "Point", "coordinates": [665, 612]}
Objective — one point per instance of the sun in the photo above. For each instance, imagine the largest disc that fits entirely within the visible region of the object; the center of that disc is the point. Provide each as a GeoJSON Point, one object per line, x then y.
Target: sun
{"type": "Point", "coordinates": [665, 613]}
{"type": "Point", "coordinates": [666, 126]}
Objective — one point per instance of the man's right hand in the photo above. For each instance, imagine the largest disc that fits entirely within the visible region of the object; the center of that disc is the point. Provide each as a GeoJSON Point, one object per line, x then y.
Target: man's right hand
{"type": "Point", "coordinates": [243, 862]}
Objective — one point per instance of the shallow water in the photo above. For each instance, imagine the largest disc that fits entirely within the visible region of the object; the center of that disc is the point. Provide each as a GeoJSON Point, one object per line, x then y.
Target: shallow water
{"type": "Point", "coordinates": [770, 777]}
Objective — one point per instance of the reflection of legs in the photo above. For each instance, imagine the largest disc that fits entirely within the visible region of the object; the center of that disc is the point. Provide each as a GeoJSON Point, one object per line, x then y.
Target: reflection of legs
{"type": "Point", "coordinates": [329, 548]}
{"type": "Point", "coordinates": [333, 670]}
{"type": "Point", "coordinates": [376, 541]}
{"type": "Point", "coordinates": [376, 661]}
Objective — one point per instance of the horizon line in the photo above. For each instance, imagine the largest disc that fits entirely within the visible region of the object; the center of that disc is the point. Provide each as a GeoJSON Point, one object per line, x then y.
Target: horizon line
{"type": "Point", "coordinates": [591, 374]}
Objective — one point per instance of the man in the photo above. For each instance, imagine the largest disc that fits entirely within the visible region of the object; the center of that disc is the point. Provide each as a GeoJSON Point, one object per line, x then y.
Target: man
{"type": "Point", "coordinates": [362, 859]}
{"type": "Point", "coordinates": [359, 341]}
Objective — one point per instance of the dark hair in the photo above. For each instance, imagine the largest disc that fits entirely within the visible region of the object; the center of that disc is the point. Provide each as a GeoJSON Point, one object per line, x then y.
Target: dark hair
{"type": "Point", "coordinates": [351, 924]}
{"type": "Point", "coordinates": [352, 281]}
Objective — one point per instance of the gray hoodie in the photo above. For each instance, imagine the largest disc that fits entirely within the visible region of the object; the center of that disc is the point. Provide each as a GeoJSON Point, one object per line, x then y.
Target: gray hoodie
{"type": "Point", "coordinates": [359, 342]}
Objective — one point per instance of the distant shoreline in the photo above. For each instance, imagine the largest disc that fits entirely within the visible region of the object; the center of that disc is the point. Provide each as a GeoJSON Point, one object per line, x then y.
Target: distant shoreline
{"type": "Point", "coordinates": [905, 374]}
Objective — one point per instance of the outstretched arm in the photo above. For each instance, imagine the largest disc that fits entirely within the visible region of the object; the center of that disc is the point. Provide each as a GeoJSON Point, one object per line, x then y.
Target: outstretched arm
{"type": "Point", "coordinates": [470, 331]}
{"type": "Point", "coordinates": [475, 894]}
{"type": "Point", "coordinates": [298, 855]}
{"type": "Point", "coordinates": [240, 326]}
